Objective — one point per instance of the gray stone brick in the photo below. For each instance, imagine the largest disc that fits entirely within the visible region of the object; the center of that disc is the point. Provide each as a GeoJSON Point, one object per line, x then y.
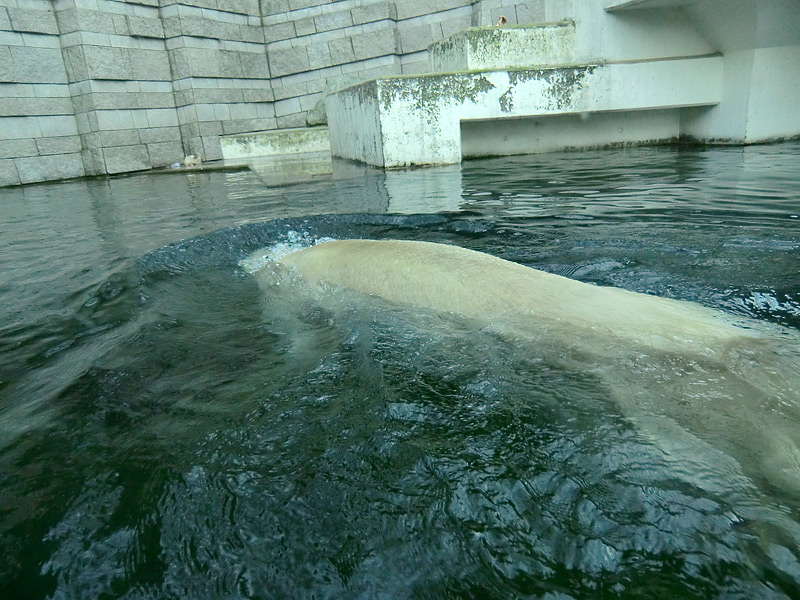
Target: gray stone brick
{"type": "Point", "coordinates": [124, 159]}
{"type": "Point", "coordinates": [49, 168]}
{"type": "Point", "coordinates": [18, 148]}
{"type": "Point", "coordinates": [254, 65]}
{"type": "Point", "coordinates": [248, 33]}
{"type": "Point", "coordinates": [242, 7]}
{"type": "Point", "coordinates": [67, 20]}
{"type": "Point", "coordinates": [210, 128]}
{"type": "Point", "coordinates": [442, 5]}
{"type": "Point", "coordinates": [300, 4]}
{"type": "Point", "coordinates": [319, 56]}
{"type": "Point", "coordinates": [532, 11]}
{"type": "Point", "coordinates": [37, 65]}
{"type": "Point", "coordinates": [274, 7]}
{"type": "Point", "coordinates": [119, 137]}
{"type": "Point", "coordinates": [160, 134]}
{"type": "Point", "coordinates": [282, 92]}
{"type": "Point", "coordinates": [278, 31]}
{"type": "Point", "coordinates": [149, 65]}
{"type": "Point", "coordinates": [212, 150]}
{"type": "Point", "coordinates": [107, 63]}
{"type": "Point", "coordinates": [414, 39]}
{"type": "Point", "coordinates": [75, 63]}
{"type": "Point", "coordinates": [144, 27]}
{"type": "Point", "coordinates": [165, 153]}
{"type": "Point", "coordinates": [33, 21]}
{"type": "Point", "coordinates": [456, 23]}
{"type": "Point", "coordinates": [257, 96]}
{"type": "Point", "coordinates": [162, 117]}
{"type": "Point", "coordinates": [341, 51]}
{"type": "Point", "coordinates": [203, 63]}
{"type": "Point", "coordinates": [246, 125]}
{"type": "Point", "coordinates": [59, 145]}
{"type": "Point", "coordinates": [412, 8]}
{"type": "Point", "coordinates": [305, 26]}
{"type": "Point", "coordinates": [285, 62]}
{"type": "Point", "coordinates": [287, 107]}
{"type": "Point", "coordinates": [230, 64]}
{"type": "Point", "coordinates": [56, 126]}
{"type": "Point", "coordinates": [94, 21]}
{"type": "Point", "coordinates": [374, 12]}
{"type": "Point", "coordinates": [5, 22]}
{"type": "Point", "coordinates": [217, 96]}
{"type": "Point", "coordinates": [295, 120]}
{"type": "Point", "coordinates": [374, 43]}
{"type": "Point", "coordinates": [8, 173]}
{"type": "Point", "coordinates": [27, 107]}
{"type": "Point", "coordinates": [334, 20]}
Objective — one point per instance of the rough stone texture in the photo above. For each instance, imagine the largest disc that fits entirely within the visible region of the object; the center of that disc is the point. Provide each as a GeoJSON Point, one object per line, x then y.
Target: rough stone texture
{"type": "Point", "coordinates": [90, 87]}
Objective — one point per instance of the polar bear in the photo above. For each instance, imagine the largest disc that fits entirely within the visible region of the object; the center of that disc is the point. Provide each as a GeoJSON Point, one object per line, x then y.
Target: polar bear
{"type": "Point", "coordinates": [731, 383]}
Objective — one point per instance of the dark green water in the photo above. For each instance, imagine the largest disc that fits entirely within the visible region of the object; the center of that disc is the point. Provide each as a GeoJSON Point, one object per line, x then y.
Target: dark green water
{"type": "Point", "coordinates": [167, 430]}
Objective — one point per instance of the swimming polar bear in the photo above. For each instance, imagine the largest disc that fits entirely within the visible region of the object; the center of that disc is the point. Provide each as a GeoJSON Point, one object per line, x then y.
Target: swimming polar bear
{"type": "Point", "coordinates": [675, 365]}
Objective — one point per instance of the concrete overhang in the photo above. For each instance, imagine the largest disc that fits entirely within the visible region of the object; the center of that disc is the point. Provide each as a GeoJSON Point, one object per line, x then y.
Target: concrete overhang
{"type": "Point", "coordinates": [618, 5]}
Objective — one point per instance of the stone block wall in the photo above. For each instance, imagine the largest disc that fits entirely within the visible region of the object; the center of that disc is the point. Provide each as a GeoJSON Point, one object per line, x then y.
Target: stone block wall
{"type": "Point", "coordinates": [90, 87]}
{"type": "Point", "coordinates": [38, 130]}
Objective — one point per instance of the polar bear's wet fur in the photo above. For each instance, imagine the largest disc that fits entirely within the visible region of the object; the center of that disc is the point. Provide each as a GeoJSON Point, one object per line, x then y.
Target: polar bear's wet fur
{"type": "Point", "coordinates": [732, 384]}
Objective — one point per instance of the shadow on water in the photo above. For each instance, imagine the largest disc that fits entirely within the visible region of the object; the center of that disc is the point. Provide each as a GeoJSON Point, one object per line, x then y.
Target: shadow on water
{"type": "Point", "coordinates": [174, 432]}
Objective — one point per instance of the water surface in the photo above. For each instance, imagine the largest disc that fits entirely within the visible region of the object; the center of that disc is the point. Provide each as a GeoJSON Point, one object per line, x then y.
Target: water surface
{"type": "Point", "coordinates": [167, 430]}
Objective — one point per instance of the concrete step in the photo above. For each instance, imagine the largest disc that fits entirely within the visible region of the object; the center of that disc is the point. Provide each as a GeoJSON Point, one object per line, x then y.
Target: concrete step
{"type": "Point", "coordinates": [300, 140]}
{"type": "Point", "coordinates": [509, 47]}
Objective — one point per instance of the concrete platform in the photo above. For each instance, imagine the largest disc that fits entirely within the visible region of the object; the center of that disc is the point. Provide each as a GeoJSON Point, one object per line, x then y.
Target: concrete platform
{"type": "Point", "coordinates": [403, 121]}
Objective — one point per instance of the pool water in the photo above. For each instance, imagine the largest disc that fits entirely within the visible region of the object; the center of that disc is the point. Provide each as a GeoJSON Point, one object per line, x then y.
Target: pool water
{"type": "Point", "coordinates": [169, 429]}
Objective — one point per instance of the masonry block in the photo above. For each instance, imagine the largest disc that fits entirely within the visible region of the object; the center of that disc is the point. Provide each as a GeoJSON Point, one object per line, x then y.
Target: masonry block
{"type": "Point", "coordinates": [33, 21]}
{"type": "Point", "coordinates": [45, 168]}
{"type": "Point", "coordinates": [341, 51]}
{"type": "Point", "coordinates": [5, 21]}
{"type": "Point", "coordinates": [149, 65]}
{"type": "Point", "coordinates": [274, 7]}
{"type": "Point", "coordinates": [254, 65]}
{"type": "Point", "coordinates": [144, 27]}
{"type": "Point", "coordinates": [70, 144]}
{"type": "Point", "coordinates": [8, 173]}
{"type": "Point", "coordinates": [278, 31]}
{"type": "Point", "coordinates": [165, 153]}
{"type": "Point", "coordinates": [107, 63]}
{"type": "Point", "coordinates": [119, 137]}
{"type": "Point", "coordinates": [414, 38]}
{"type": "Point", "coordinates": [160, 134]}
{"type": "Point", "coordinates": [333, 20]}
{"type": "Point", "coordinates": [17, 148]}
{"type": "Point", "coordinates": [412, 8]}
{"type": "Point", "coordinates": [124, 159]}
{"type": "Point", "coordinates": [286, 62]}
{"type": "Point", "coordinates": [374, 12]}
{"type": "Point", "coordinates": [372, 44]}
{"type": "Point", "coordinates": [34, 65]}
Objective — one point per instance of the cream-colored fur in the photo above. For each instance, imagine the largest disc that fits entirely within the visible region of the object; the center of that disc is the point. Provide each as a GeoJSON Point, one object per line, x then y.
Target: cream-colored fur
{"type": "Point", "coordinates": [725, 381]}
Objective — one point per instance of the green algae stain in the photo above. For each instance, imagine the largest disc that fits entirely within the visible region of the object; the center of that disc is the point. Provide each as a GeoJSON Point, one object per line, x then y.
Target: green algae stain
{"type": "Point", "coordinates": [429, 93]}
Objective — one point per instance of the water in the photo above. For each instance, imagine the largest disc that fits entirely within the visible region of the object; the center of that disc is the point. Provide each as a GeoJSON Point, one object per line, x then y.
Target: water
{"type": "Point", "coordinates": [168, 430]}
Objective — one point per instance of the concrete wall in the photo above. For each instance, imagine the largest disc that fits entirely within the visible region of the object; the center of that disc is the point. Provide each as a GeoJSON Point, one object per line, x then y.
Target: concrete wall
{"type": "Point", "coordinates": [90, 87]}
{"type": "Point", "coordinates": [759, 41]}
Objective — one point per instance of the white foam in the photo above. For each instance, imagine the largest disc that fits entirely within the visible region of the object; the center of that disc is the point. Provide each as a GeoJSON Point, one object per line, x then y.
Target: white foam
{"type": "Point", "coordinates": [293, 242]}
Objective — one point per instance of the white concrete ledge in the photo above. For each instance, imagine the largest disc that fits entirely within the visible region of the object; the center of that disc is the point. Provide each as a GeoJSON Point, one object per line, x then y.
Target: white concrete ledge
{"type": "Point", "coordinates": [404, 121]}
{"type": "Point", "coordinates": [491, 48]}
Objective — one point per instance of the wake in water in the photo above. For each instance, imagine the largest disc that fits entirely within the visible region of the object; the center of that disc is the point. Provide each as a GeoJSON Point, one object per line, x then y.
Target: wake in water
{"type": "Point", "coordinates": [672, 366]}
